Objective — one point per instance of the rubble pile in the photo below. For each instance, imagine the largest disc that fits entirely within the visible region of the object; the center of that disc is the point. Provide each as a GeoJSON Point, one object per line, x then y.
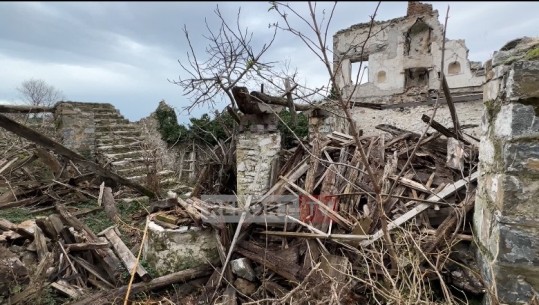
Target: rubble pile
{"type": "Point", "coordinates": [331, 228]}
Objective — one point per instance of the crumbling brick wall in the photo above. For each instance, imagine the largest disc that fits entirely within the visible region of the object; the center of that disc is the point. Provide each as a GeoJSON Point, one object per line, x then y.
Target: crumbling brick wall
{"type": "Point", "coordinates": [418, 8]}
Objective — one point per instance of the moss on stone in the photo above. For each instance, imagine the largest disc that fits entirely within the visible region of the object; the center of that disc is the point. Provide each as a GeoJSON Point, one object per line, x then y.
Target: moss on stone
{"type": "Point", "coordinates": [532, 54]}
{"type": "Point", "coordinates": [492, 107]}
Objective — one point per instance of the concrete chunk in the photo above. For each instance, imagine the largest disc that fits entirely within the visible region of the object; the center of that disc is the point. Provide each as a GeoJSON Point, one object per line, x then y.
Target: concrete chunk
{"type": "Point", "coordinates": [242, 268]}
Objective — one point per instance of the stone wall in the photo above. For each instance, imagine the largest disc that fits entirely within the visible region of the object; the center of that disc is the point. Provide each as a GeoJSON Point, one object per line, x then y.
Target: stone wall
{"type": "Point", "coordinates": [401, 51]}
{"type": "Point", "coordinates": [409, 118]}
{"type": "Point", "coordinates": [506, 210]}
{"type": "Point", "coordinates": [76, 128]}
{"type": "Point", "coordinates": [325, 120]}
{"type": "Point", "coordinates": [256, 152]}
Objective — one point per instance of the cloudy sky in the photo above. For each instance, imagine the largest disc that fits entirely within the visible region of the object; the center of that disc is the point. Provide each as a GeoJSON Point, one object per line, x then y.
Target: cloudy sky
{"type": "Point", "coordinates": [125, 53]}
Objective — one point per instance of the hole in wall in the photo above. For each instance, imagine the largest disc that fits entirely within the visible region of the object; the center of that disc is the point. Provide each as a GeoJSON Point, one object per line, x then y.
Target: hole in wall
{"type": "Point", "coordinates": [363, 74]}
{"type": "Point", "coordinates": [418, 39]}
{"type": "Point", "coordinates": [381, 77]}
{"type": "Point", "coordinates": [453, 68]}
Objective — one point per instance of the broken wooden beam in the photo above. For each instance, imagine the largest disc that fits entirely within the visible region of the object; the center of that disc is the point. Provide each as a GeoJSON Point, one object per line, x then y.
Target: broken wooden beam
{"type": "Point", "coordinates": [86, 246]}
{"type": "Point", "coordinates": [24, 109]}
{"type": "Point", "coordinates": [127, 257]}
{"type": "Point", "coordinates": [441, 128]}
{"type": "Point", "coordinates": [169, 279]}
{"type": "Point", "coordinates": [446, 191]}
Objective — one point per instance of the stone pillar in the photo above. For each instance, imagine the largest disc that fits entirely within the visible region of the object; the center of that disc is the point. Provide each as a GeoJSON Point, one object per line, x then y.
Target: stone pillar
{"type": "Point", "coordinates": [325, 120]}
{"type": "Point", "coordinates": [506, 219]}
{"type": "Point", "coordinates": [257, 151]}
{"type": "Point", "coordinates": [76, 129]}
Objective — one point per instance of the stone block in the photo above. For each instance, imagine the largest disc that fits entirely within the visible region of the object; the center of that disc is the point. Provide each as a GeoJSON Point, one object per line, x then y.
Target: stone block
{"type": "Point", "coordinates": [514, 120]}
{"type": "Point", "coordinates": [518, 245]}
{"type": "Point", "coordinates": [516, 198]}
{"type": "Point", "coordinates": [168, 251]}
{"type": "Point", "coordinates": [491, 89]}
{"type": "Point", "coordinates": [487, 155]}
{"type": "Point", "coordinates": [242, 268]}
{"type": "Point", "coordinates": [521, 158]}
{"type": "Point", "coordinates": [515, 284]}
{"type": "Point", "coordinates": [523, 81]}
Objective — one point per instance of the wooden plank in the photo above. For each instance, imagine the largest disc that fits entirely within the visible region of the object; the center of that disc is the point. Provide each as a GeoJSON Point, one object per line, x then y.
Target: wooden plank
{"type": "Point", "coordinates": [86, 246]}
{"type": "Point", "coordinates": [111, 262]}
{"type": "Point", "coordinates": [41, 243]}
{"type": "Point", "coordinates": [8, 164]}
{"type": "Point", "coordinates": [64, 287]}
{"type": "Point", "coordinates": [127, 257]}
{"type": "Point", "coordinates": [100, 196]}
{"type": "Point", "coordinates": [451, 106]}
{"type": "Point", "coordinates": [442, 129]}
{"type": "Point", "coordinates": [91, 269]}
{"type": "Point", "coordinates": [6, 225]}
{"type": "Point", "coordinates": [410, 183]}
{"type": "Point", "coordinates": [446, 191]}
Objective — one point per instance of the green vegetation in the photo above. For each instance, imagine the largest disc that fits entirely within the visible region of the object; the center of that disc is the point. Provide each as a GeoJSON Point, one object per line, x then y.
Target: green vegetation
{"type": "Point", "coordinates": [152, 272]}
{"type": "Point", "coordinates": [18, 215]}
{"type": "Point", "coordinates": [99, 221]}
{"type": "Point", "coordinates": [301, 129]}
{"type": "Point", "coordinates": [208, 130]}
{"type": "Point", "coordinates": [532, 54]}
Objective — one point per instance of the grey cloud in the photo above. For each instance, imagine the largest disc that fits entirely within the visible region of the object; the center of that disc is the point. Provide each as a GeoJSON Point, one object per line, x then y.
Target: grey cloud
{"type": "Point", "coordinates": [125, 52]}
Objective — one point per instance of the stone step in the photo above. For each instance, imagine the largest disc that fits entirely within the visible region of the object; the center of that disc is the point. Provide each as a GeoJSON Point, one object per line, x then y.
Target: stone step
{"type": "Point", "coordinates": [128, 162]}
{"type": "Point", "coordinates": [119, 148]}
{"type": "Point", "coordinates": [170, 183]}
{"type": "Point", "coordinates": [101, 109]}
{"type": "Point", "coordinates": [110, 121]}
{"type": "Point", "coordinates": [178, 188]}
{"type": "Point", "coordinates": [120, 133]}
{"type": "Point", "coordinates": [124, 155]}
{"type": "Point", "coordinates": [141, 178]}
{"type": "Point", "coordinates": [115, 127]}
{"type": "Point", "coordinates": [132, 170]}
{"type": "Point", "coordinates": [104, 115]}
{"type": "Point", "coordinates": [117, 140]}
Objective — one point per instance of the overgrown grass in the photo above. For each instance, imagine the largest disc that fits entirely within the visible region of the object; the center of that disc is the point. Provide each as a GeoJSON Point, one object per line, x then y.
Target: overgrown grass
{"type": "Point", "coordinates": [18, 215]}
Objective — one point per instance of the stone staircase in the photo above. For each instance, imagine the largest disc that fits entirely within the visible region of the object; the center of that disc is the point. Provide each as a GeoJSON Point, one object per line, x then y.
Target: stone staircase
{"type": "Point", "coordinates": [120, 145]}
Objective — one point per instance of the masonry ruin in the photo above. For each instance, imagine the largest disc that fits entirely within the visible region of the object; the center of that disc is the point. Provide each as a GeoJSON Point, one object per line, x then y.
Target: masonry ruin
{"type": "Point", "coordinates": [461, 213]}
{"type": "Point", "coordinates": [401, 58]}
{"type": "Point", "coordinates": [506, 211]}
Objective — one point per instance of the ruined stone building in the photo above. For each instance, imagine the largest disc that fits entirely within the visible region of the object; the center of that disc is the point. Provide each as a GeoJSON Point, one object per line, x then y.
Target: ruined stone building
{"type": "Point", "coordinates": [401, 60]}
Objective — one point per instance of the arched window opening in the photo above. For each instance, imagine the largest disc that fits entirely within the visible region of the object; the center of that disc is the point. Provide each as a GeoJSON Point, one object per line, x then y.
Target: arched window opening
{"type": "Point", "coordinates": [454, 68]}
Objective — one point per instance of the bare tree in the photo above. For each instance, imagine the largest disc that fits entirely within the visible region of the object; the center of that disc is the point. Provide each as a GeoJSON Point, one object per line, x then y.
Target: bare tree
{"type": "Point", "coordinates": [37, 92]}
{"type": "Point", "coordinates": [313, 31]}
